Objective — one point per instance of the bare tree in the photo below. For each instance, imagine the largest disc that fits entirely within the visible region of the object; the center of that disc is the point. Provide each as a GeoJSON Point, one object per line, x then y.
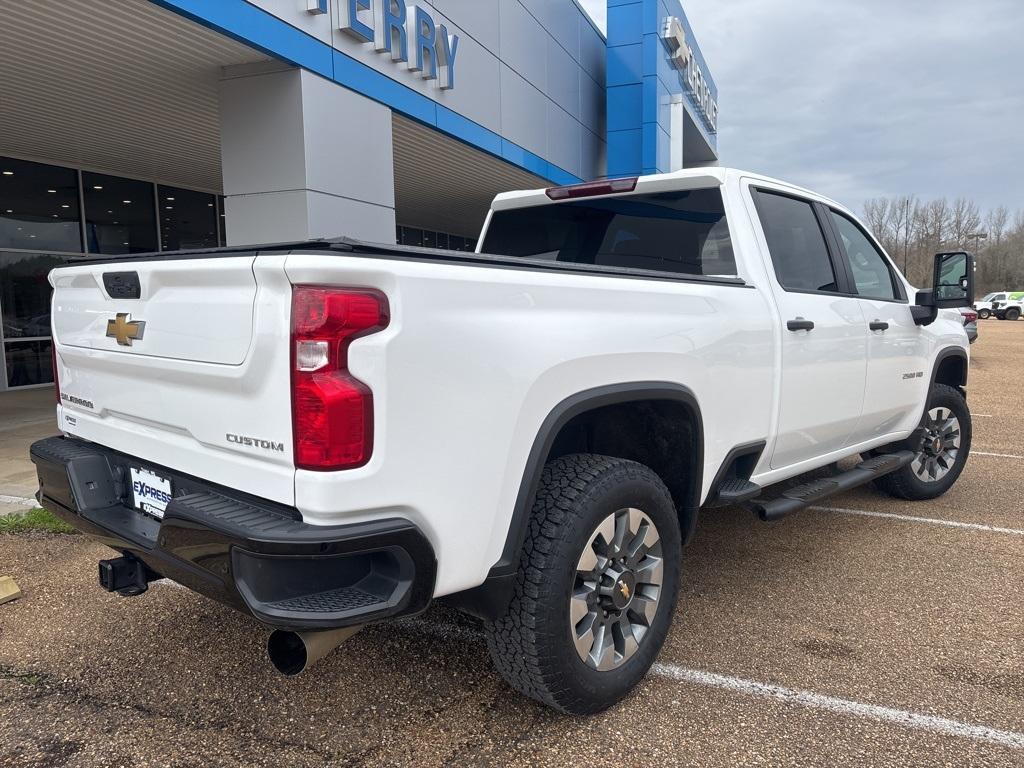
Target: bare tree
{"type": "Point", "coordinates": [912, 231]}
{"type": "Point", "coordinates": [995, 224]}
{"type": "Point", "coordinates": [965, 220]}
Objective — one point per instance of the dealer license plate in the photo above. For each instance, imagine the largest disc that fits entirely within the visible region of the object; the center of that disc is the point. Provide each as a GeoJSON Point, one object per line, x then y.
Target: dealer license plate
{"type": "Point", "coordinates": [150, 492]}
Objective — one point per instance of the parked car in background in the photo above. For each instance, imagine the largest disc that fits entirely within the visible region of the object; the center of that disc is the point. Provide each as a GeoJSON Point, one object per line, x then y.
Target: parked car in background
{"type": "Point", "coordinates": [1011, 309]}
{"type": "Point", "coordinates": [992, 303]}
{"type": "Point", "coordinates": [970, 323]}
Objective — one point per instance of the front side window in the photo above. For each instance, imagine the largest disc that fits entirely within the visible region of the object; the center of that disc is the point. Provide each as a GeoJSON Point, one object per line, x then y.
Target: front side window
{"type": "Point", "coordinates": [682, 232]}
{"type": "Point", "coordinates": [796, 243]}
{"type": "Point", "coordinates": [871, 273]}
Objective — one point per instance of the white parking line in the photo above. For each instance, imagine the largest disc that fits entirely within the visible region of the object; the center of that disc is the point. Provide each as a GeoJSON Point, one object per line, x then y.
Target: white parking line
{"type": "Point", "coordinates": [907, 719]}
{"type": "Point", "coordinates": [997, 455]}
{"type": "Point", "coordinates": [169, 583]}
{"type": "Point", "coordinates": [927, 520]}
{"type": "Point", "coordinates": [940, 725]}
{"type": "Point", "coordinates": [981, 415]}
{"type": "Point", "coordinates": [17, 500]}
{"type": "Point", "coordinates": [675, 673]}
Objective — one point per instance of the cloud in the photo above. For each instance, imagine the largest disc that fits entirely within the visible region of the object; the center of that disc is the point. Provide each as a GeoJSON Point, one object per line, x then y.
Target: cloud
{"type": "Point", "coordinates": [858, 98]}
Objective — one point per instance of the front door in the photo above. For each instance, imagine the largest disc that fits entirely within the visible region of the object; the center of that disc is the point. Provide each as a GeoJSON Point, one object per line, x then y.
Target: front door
{"type": "Point", "coordinates": [898, 375]}
{"type": "Point", "coordinates": [824, 338]}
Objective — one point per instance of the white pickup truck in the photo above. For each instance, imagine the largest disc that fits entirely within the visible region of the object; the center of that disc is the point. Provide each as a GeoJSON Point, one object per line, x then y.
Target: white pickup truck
{"type": "Point", "coordinates": [331, 433]}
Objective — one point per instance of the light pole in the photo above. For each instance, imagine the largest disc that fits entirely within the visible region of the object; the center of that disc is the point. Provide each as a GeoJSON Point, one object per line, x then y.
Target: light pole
{"type": "Point", "coordinates": [977, 237]}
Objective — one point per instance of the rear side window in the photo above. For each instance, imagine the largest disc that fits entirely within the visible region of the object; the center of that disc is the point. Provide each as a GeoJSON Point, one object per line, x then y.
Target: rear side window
{"type": "Point", "coordinates": [796, 243]}
{"type": "Point", "coordinates": [682, 232]}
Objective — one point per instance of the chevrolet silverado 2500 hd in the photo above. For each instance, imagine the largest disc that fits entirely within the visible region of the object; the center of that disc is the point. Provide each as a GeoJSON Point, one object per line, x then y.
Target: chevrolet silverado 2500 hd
{"type": "Point", "coordinates": [331, 433]}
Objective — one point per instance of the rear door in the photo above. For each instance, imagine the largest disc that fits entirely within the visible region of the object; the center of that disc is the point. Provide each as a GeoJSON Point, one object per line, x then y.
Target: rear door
{"type": "Point", "coordinates": [183, 363]}
{"type": "Point", "coordinates": [897, 370]}
{"type": "Point", "coordinates": [824, 344]}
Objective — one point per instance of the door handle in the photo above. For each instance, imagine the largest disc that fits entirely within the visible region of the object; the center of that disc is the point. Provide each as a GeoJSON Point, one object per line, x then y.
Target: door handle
{"type": "Point", "coordinates": [800, 325]}
{"type": "Point", "coordinates": [878, 325]}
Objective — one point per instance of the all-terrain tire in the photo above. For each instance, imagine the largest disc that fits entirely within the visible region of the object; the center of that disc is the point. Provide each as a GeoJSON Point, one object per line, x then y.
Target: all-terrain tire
{"type": "Point", "coordinates": [984, 314]}
{"type": "Point", "coordinates": [532, 643]}
{"type": "Point", "coordinates": [905, 483]}
{"type": "Point", "coordinates": [1013, 314]}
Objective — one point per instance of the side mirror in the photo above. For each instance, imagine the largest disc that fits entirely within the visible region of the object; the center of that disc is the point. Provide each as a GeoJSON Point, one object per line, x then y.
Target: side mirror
{"type": "Point", "coordinates": [953, 286]}
{"type": "Point", "coordinates": [953, 280]}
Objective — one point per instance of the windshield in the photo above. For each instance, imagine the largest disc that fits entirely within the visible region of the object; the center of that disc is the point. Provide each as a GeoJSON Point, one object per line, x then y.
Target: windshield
{"type": "Point", "coordinates": [988, 297]}
{"type": "Point", "coordinates": [681, 232]}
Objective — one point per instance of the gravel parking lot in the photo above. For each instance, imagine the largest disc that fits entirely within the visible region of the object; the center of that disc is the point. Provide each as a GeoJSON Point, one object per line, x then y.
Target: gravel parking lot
{"type": "Point", "coordinates": [874, 632]}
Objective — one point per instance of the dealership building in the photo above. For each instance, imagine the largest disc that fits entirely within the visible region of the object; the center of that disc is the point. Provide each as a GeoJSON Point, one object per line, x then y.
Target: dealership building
{"type": "Point", "coordinates": [131, 126]}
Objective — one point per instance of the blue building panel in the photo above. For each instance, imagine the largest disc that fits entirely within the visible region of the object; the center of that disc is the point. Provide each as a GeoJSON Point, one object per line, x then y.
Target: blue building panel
{"type": "Point", "coordinates": [625, 152]}
{"type": "Point", "coordinates": [625, 107]}
{"type": "Point", "coordinates": [639, 58]}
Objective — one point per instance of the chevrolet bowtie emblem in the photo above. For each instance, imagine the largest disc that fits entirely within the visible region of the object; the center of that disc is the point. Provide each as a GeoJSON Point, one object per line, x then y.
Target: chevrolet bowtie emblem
{"type": "Point", "coordinates": [125, 330]}
{"type": "Point", "coordinates": [624, 589]}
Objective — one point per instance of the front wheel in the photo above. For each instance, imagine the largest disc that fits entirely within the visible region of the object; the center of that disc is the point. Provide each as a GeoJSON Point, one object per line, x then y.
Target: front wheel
{"type": "Point", "coordinates": [596, 586]}
{"type": "Point", "coordinates": [941, 453]}
{"type": "Point", "coordinates": [984, 314]}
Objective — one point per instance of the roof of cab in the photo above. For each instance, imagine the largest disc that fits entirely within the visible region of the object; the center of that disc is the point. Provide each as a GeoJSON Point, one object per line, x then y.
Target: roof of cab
{"type": "Point", "coordinates": [688, 178]}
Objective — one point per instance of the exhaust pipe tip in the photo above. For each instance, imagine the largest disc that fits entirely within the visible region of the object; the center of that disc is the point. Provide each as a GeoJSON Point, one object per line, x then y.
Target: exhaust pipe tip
{"type": "Point", "coordinates": [287, 652]}
{"type": "Point", "coordinates": [292, 653]}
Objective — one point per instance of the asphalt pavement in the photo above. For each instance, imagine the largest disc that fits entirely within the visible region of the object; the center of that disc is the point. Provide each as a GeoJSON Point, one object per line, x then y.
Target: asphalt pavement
{"type": "Point", "coordinates": [872, 632]}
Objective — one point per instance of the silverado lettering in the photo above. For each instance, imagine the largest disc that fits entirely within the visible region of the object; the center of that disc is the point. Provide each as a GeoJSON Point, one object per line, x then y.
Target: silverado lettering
{"type": "Point", "coordinates": [66, 398]}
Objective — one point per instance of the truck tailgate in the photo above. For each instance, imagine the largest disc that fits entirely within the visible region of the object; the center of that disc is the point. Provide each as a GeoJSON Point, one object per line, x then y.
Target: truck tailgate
{"type": "Point", "coordinates": [192, 375]}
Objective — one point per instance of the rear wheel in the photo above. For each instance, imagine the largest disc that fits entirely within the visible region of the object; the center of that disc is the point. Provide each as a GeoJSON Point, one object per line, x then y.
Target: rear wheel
{"type": "Point", "coordinates": [596, 586]}
{"type": "Point", "coordinates": [941, 452]}
{"type": "Point", "coordinates": [1013, 314]}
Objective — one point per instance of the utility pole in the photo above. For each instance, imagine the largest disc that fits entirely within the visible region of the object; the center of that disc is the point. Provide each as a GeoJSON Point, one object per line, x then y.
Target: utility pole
{"type": "Point", "coordinates": [977, 237]}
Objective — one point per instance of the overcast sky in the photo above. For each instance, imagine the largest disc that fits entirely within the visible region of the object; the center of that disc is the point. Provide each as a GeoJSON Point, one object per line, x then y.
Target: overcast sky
{"type": "Point", "coordinates": [859, 98]}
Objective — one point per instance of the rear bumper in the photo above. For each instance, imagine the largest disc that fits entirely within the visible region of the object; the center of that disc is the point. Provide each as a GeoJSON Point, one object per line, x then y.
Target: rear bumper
{"type": "Point", "coordinates": [254, 555]}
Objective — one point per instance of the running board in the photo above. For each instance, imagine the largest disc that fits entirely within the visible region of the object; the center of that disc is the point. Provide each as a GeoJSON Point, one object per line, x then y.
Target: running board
{"type": "Point", "coordinates": [795, 499]}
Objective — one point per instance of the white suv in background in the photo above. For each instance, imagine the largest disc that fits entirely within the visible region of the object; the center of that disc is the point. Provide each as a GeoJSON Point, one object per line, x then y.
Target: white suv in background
{"type": "Point", "coordinates": [1005, 305]}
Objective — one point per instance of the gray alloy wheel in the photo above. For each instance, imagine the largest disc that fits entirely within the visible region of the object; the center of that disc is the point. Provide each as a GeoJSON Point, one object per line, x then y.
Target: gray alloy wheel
{"type": "Point", "coordinates": [940, 446]}
{"type": "Point", "coordinates": [617, 589]}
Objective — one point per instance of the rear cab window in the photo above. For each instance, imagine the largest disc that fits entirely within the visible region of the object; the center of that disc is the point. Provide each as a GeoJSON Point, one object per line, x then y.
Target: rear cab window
{"type": "Point", "coordinates": [683, 232]}
{"type": "Point", "coordinates": [796, 243]}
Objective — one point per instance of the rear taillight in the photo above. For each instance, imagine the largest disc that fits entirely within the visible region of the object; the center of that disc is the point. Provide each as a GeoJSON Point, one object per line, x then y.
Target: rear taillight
{"type": "Point", "coordinates": [332, 411]}
{"type": "Point", "coordinates": [969, 317]}
{"type": "Point", "coordinates": [53, 362]}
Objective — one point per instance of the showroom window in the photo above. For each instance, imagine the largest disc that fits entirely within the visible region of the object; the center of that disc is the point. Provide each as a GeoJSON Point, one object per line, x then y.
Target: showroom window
{"type": "Point", "coordinates": [222, 233]}
{"type": "Point", "coordinates": [188, 219]}
{"type": "Point", "coordinates": [120, 215]}
{"type": "Point", "coordinates": [426, 238]}
{"type": "Point", "coordinates": [25, 311]}
{"type": "Point", "coordinates": [39, 207]}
